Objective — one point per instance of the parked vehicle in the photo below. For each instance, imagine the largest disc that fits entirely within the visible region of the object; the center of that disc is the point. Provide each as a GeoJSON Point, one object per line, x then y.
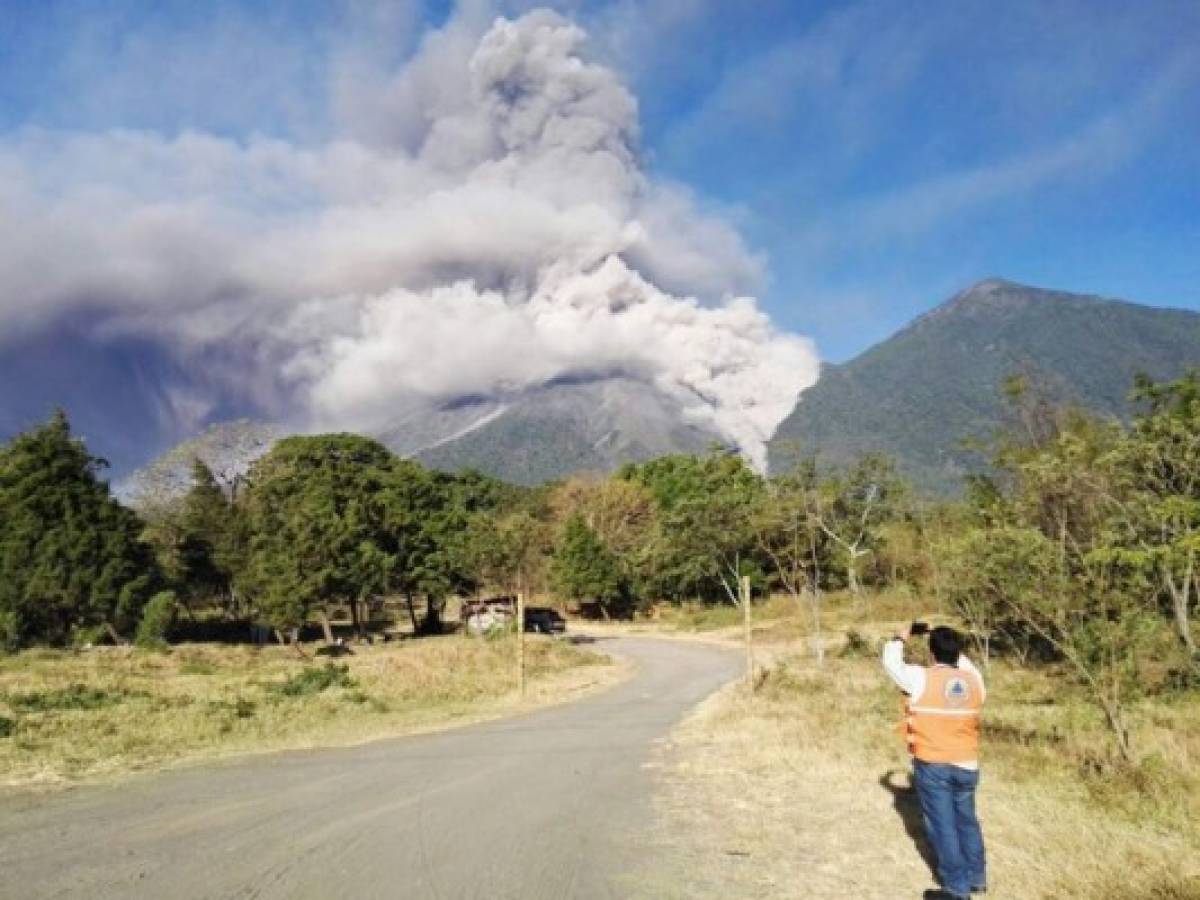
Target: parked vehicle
{"type": "Point", "coordinates": [481, 616]}
{"type": "Point", "coordinates": [545, 620]}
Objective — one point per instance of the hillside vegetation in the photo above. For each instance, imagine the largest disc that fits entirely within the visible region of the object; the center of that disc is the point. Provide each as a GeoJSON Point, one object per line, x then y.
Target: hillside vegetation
{"type": "Point", "coordinates": [918, 395]}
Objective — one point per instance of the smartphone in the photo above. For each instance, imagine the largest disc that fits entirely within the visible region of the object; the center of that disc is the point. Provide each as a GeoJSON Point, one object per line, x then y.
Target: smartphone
{"type": "Point", "coordinates": [918, 628]}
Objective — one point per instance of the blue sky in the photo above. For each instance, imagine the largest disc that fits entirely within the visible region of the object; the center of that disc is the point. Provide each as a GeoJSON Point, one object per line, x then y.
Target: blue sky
{"type": "Point", "coordinates": [881, 155]}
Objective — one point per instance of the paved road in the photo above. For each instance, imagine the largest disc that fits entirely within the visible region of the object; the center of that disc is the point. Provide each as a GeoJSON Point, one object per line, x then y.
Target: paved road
{"type": "Point", "coordinates": [546, 805]}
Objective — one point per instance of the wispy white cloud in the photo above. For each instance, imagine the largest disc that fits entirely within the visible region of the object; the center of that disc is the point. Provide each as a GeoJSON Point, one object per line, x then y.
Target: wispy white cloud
{"type": "Point", "coordinates": [826, 87]}
{"type": "Point", "coordinates": [1093, 152]}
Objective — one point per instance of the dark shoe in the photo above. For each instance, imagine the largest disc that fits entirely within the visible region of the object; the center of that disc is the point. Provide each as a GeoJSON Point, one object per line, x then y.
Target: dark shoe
{"type": "Point", "coordinates": [939, 894]}
{"type": "Point", "coordinates": [979, 889]}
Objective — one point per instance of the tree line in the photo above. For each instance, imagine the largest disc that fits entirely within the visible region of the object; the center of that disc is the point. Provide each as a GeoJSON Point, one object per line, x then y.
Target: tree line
{"type": "Point", "coordinates": [331, 523]}
{"type": "Point", "coordinates": [1079, 546]}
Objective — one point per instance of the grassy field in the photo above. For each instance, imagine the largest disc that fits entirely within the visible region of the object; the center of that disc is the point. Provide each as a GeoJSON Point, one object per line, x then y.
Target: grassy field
{"type": "Point", "coordinates": [799, 788]}
{"type": "Point", "coordinates": [66, 715]}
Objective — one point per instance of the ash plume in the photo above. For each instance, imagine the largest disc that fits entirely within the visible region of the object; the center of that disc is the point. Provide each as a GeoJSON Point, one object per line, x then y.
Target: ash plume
{"type": "Point", "coordinates": [479, 224]}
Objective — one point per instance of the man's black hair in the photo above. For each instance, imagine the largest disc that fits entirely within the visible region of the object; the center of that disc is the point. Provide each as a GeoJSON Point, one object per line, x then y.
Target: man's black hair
{"type": "Point", "coordinates": [945, 645]}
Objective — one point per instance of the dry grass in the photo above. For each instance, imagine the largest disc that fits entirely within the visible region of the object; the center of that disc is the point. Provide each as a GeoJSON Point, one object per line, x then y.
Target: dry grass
{"type": "Point", "coordinates": [787, 791]}
{"type": "Point", "coordinates": [705, 618]}
{"type": "Point", "coordinates": [110, 711]}
{"type": "Point", "coordinates": [778, 619]}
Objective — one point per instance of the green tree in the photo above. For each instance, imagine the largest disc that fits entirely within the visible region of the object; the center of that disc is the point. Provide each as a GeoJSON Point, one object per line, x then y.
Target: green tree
{"type": "Point", "coordinates": [852, 507]}
{"type": "Point", "coordinates": [214, 547]}
{"type": "Point", "coordinates": [623, 516]}
{"type": "Point", "coordinates": [789, 536]}
{"type": "Point", "coordinates": [1161, 518]}
{"type": "Point", "coordinates": [508, 549]}
{"type": "Point", "coordinates": [338, 520]}
{"type": "Point", "coordinates": [583, 569]}
{"type": "Point", "coordinates": [323, 527]}
{"type": "Point", "coordinates": [1049, 560]}
{"type": "Point", "coordinates": [994, 573]}
{"type": "Point", "coordinates": [704, 538]}
{"type": "Point", "coordinates": [200, 539]}
{"type": "Point", "coordinates": [1016, 581]}
{"type": "Point", "coordinates": [430, 516]}
{"type": "Point", "coordinates": [71, 555]}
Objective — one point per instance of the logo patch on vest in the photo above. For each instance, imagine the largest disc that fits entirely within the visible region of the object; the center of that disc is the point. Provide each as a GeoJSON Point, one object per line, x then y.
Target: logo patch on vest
{"type": "Point", "coordinates": [957, 692]}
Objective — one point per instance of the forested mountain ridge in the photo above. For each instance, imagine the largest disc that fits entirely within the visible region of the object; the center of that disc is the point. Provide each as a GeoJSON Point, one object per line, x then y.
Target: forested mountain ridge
{"type": "Point", "coordinates": [921, 393]}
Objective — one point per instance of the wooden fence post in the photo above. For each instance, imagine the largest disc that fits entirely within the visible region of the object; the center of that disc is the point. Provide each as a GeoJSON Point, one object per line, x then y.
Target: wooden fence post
{"type": "Point", "coordinates": [745, 585]}
{"type": "Point", "coordinates": [520, 636]}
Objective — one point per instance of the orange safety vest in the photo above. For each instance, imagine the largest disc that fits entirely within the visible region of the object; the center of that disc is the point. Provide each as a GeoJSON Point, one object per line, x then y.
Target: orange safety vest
{"type": "Point", "coordinates": [942, 725]}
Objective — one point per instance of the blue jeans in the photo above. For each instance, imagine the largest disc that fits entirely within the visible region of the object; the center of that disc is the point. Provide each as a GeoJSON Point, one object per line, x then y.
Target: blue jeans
{"type": "Point", "coordinates": [947, 795]}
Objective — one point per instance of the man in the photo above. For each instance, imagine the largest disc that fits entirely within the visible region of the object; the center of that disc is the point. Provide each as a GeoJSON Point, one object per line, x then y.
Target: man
{"type": "Point", "coordinates": [942, 722]}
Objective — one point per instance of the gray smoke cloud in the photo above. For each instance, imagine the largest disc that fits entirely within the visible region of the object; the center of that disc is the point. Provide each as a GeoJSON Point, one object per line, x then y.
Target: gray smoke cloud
{"type": "Point", "coordinates": [481, 224]}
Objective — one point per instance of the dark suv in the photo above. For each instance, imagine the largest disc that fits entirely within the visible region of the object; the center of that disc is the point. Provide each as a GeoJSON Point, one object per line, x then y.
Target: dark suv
{"type": "Point", "coordinates": [545, 620]}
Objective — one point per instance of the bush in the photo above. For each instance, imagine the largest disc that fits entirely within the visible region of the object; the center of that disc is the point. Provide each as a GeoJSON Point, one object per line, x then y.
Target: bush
{"type": "Point", "coordinates": [857, 646]}
{"type": "Point", "coordinates": [313, 680]}
{"type": "Point", "coordinates": [7, 726]}
{"type": "Point", "coordinates": [89, 636]}
{"type": "Point", "coordinates": [158, 617]}
{"type": "Point", "coordinates": [239, 707]}
{"type": "Point", "coordinates": [75, 696]}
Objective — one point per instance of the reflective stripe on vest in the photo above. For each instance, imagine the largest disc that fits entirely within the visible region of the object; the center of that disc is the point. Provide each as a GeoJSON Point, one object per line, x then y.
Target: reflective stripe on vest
{"type": "Point", "coordinates": [943, 723]}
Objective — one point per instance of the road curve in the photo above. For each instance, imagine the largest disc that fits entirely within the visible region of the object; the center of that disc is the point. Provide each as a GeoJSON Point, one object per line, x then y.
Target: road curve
{"type": "Point", "coordinates": [545, 805]}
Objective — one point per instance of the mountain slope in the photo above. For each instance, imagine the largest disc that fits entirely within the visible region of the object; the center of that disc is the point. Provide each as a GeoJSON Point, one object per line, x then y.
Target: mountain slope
{"type": "Point", "coordinates": [917, 395]}
{"type": "Point", "coordinates": [570, 426]}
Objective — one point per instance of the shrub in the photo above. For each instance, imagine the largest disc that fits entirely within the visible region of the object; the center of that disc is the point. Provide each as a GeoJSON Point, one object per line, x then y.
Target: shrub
{"type": "Point", "coordinates": [857, 646]}
{"type": "Point", "coordinates": [158, 617]}
{"type": "Point", "coordinates": [364, 699]}
{"type": "Point", "coordinates": [314, 680]}
{"type": "Point", "coordinates": [239, 707]}
{"type": "Point", "coordinates": [89, 635]}
{"type": "Point", "coordinates": [75, 696]}
{"type": "Point", "coordinates": [7, 726]}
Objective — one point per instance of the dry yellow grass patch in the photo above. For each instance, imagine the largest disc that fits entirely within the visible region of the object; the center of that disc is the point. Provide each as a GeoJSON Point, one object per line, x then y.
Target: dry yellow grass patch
{"type": "Point", "coordinates": [115, 710]}
{"type": "Point", "coordinates": [798, 790]}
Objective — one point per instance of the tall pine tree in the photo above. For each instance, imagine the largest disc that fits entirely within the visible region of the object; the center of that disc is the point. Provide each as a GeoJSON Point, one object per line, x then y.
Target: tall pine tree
{"type": "Point", "coordinates": [214, 539]}
{"type": "Point", "coordinates": [71, 558]}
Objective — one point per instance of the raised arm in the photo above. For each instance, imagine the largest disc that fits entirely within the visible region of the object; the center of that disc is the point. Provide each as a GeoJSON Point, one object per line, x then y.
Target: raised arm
{"type": "Point", "coordinates": [910, 679]}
